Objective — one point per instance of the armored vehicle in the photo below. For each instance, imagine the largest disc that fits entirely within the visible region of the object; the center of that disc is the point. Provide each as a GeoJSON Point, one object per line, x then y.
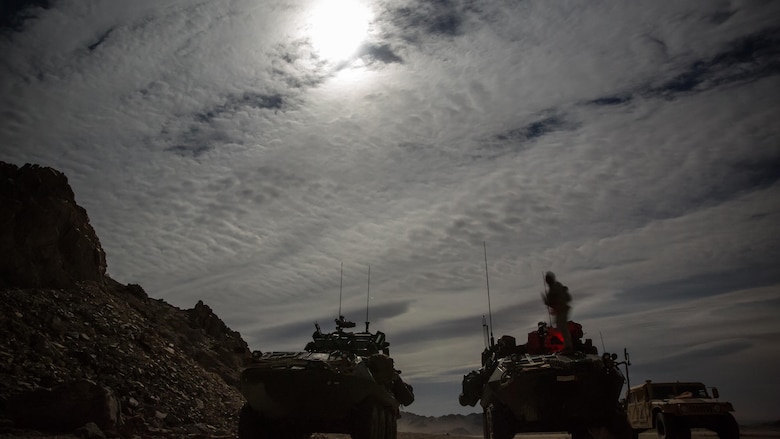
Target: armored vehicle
{"type": "Point", "coordinates": [536, 387]}
{"type": "Point", "coordinates": [343, 382]}
{"type": "Point", "coordinates": [672, 409]}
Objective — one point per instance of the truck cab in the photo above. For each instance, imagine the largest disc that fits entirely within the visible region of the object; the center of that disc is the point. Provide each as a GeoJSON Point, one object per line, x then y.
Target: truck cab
{"type": "Point", "coordinates": [673, 408]}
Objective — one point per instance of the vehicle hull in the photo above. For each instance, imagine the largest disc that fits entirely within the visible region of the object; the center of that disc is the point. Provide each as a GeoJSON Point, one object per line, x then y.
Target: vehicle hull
{"type": "Point", "coordinates": [310, 390]}
{"type": "Point", "coordinates": [343, 382]}
{"type": "Point", "coordinates": [295, 393]}
{"type": "Point", "coordinates": [555, 392]}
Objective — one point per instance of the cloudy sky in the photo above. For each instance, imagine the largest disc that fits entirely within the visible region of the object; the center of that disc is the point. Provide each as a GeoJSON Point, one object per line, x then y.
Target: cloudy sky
{"type": "Point", "coordinates": [241, 151]}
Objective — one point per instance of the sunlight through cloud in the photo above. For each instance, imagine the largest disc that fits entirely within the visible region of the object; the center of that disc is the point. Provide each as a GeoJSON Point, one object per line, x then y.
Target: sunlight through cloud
{"type": "Point", "coordinates": [338, 27]}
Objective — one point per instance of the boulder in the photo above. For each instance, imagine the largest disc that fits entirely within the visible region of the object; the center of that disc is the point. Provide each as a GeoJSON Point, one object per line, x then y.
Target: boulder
{"type": "Point", "coordinates": [66, 408]}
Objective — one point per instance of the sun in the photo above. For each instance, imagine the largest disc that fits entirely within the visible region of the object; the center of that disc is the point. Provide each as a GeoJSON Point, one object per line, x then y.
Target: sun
{"type": "Point", "coordinates": [337, 28]}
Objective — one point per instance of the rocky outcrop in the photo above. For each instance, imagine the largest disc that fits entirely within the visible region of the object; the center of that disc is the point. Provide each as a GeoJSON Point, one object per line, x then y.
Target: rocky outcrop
{"type": "Point", "coordinates": [145, 353]}
{"type": "Point", "coordinates": [46, 239]}
{"type": "Point", "coordinates": [82, 354]}
{"type": "Point", "coordinates": [229, 357]}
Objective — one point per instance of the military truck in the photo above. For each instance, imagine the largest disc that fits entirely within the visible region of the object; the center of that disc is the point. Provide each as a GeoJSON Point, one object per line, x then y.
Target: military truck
{"type": "Point", "coordinates": [673, 408]}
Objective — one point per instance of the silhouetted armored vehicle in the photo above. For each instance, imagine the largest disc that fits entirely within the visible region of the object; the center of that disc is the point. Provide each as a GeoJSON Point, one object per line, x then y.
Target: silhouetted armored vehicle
{"type": "Point", "coordinates": [343, 382]}
{"type": "Point", "coordinates": [535, 387]}
{"type": "Point", "coordinates": [674, 408]}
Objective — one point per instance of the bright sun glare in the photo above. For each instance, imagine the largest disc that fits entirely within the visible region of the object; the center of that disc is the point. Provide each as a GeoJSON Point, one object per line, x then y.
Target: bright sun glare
{"type": "Point", "coordinates": [338, 27]}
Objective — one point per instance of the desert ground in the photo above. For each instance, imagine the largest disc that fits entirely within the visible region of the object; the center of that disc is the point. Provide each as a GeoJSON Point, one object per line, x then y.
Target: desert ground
{"type": "Point", "coordinates": [747, 432]}
{"type": "Point", "coordinates": [698, 434]}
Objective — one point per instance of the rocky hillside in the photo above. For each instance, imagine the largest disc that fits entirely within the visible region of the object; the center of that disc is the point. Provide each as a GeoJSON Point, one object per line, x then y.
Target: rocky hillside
{"type": "Point", "coordinates": [81, 354]}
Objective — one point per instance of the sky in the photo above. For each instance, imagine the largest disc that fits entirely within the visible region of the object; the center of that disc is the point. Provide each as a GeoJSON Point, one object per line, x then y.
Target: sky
{"type": "Point", "coordinates": [270, 157]}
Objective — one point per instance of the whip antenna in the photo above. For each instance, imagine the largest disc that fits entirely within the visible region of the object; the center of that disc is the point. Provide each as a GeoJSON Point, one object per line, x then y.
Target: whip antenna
{"type": "Point", "coordinates": [544, 299]}
{"type": "Point", "coordinates": [368, 295]}
{"type": "Point", "coordinates": [603, 348]}
{"type": "Point", "coordinates": [341, 284]}
{"type": "Point", "coordinates": [487, 280]}
{"type": "Point", "coordinates": [485, 332]}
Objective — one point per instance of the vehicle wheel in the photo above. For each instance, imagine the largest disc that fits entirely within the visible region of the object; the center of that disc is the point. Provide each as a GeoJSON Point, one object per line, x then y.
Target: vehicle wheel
{"type": "Point", "coordinates": [498, 423]}
{"type": "Point", "coordinates": [250, 424]}
{"type": "Point", "coordinates": [371, 423]}
{"type": "Point", "coordinates": [619, 426]}
{"type": "Point", "coordinates": [391, 424]}
{"type": "Point", "coordinates": [581, 433]}
{"type": "Point", "coordinates": [667, 428]}
{"type": "Point", "coordinates": [376, 426]}
{"type": "Point", "coordinates": [728, 428]}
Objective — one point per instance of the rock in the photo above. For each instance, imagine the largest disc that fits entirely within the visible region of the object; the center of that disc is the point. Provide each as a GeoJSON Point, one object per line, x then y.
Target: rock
{"type": "Point", "coordinates": [90, 431]}
{"type": "Point", "coordinates": [6, 425]}
{"type": "Point", "coordinates": [46, 239]}
{"type": "Point", "coordinates": [230, 355]}
{"type": "Point", "coordinates": [65, 407]}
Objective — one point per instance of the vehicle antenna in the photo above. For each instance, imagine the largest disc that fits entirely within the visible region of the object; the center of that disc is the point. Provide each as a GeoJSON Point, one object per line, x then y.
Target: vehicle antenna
{"type": "Point", "coordinates": [627, 363]}
{"type": "Point", "coordinates": [341, 285]}
{"type": "Point", "coordinates": [487, 280]}
{"type": "Point", "coordinates": [544, 298]}
{"type": "Point", "coordinates": [485, 332]}
{"type": "Point", "coordinates": [603, 348]}
{"type": "Point", "coordinates": [368, 295]}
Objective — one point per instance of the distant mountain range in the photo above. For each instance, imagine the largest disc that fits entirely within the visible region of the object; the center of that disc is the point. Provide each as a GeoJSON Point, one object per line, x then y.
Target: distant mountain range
{"type": "Point", "coordinates": [455, 425]}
